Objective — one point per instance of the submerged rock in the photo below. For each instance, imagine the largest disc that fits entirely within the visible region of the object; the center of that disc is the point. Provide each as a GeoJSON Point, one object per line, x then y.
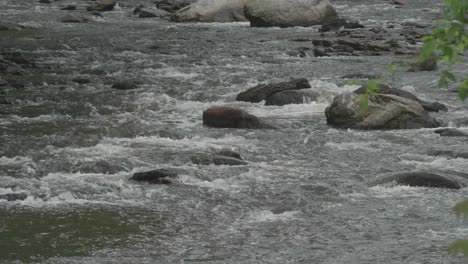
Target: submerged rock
{"type": "Point", "coordinates": [422, 179]}
{"type": "Point", "coordinates": [125, 85]}
{"type": "Point", "coordinates": [386, 89]}
{"type": "Point", "coordinates": [262, 91]}
{"type": "Point", "coordinates": [228, 117]}
{"type": "Point", "coordinates": [6, 25]}
{"type": "Point", "coordinates": [224, 157]}
{"type": "Point", "coordinates": [13, 197]}
{"type": "Point", "coordinates": [450, 132]}
{"type": "Point", "coordinates": [69, 7]}
{"type": "Point", "coordinates": [289, 13]}
{"type": "Point", "coordinates": [158, 176]}
{"type": "Point", "coordinates": [292, 97]}
{"type": "Point", "coordinates": [384, 111]}
{"type": "Point", "coordinates": [153, 13]}
{"type": "Point", "coordinates": [454, 153]}
{"type": "Point", "coordinates": [71, 18]}
{"type": "Point", "coordinates": [212, 11]}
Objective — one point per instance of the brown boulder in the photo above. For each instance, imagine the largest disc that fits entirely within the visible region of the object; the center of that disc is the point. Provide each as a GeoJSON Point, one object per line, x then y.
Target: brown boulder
{"type": "Point", "coordinates": [228, 117]}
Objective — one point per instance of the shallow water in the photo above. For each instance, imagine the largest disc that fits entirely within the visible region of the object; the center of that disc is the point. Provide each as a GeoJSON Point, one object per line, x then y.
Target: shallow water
{"type": "Point", "coordinates": [303, 197]}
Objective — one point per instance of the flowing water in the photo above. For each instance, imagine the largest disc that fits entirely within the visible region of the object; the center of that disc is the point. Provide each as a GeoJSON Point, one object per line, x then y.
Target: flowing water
{"type": "Point", "coordinates": [303, 197]}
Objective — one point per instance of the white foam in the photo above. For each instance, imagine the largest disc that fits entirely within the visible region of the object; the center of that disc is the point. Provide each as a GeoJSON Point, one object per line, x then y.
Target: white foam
{"type": "Point", "coordinates": [268, 216]}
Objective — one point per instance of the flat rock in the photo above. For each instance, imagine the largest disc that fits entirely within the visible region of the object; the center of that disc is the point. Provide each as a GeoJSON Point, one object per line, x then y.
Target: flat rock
{"type": "Point", "coordinates": [422, 179]}
{"type": "Point", "coordinates": [13, 197]}
{"type": "Point", "coordinates": [125, 85]}
{"type": "Point", "coordinates": [158, 176]}
{"type": "Point", "coordinates": [450, 132]}
{"type": "Point", "coordinates": [262, 91]}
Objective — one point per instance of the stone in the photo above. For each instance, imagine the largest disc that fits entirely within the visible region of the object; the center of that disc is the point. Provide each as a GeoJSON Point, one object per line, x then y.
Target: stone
{"type": "Point", "coordinates": [3, 83]}
{"type": "Point", "coordinates": [229, 153]}
{"type": "Point", "coordinates": [455, 153]}
{"type": "Point", "coordinates": [6, 25]}
{"type": "Point", "coordinates": [384, 111]}
{"type": "Point", "coordinates": [71, 18]}
{"type": "Point", "coordinates": [125, 85]}
{"type": "Point", "coordinates": [103, 6]}
{"type": "Point", "coordinates": [13, 197]}
{"type": "Point", "coordinates": [216, 159]}
{"type": "Point", "coordinates": [153, 13]}
{"type": "Point", "coordinates": [450, 132]}
{"type": "Point", "coordinates": [228, 117]}
{"type": "Point", "coordinates": [262, 91]}
{"type": "Point", "coordinates": [158, 176]}
{"type": "Point", "coordinates": [386, 89]}
{"type": "Point", "coordinates": [212, 11]}
{"type": "Point", "coordinates": [422, 179]}
{"type": "Point", "coordinates": [81, 80]}
{"type": "Point", "coordinates": [69, 7]}
{"type": "Point", "coordinates": [289, 13]}
{"type": "Point", "coordinates": [292, 97]}
{"type": "Point", "coordinates": [429, 64]}
{"type": "Point", "coordinates": [399, 2]}
{"type": "Point", "coordinates": [45, 1]}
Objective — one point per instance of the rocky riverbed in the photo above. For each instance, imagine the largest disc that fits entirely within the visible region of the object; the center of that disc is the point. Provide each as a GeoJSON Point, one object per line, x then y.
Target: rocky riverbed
{"type": "Point", "coordinates": [97, 104]}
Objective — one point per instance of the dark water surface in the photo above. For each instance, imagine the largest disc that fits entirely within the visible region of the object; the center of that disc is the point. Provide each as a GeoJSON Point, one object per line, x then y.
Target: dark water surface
{"type": "Point", "coordinates": [303, 197]}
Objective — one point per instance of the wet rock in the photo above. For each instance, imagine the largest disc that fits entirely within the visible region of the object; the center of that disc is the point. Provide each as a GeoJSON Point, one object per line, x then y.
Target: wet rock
{"type": "Point", "coordinates": [292, 97]}
{"type": "Point", "coordinates": [13, 197]}
{"type": "Point", "coordinates": [6, 25]}
{"type": "Point", "coordinates": [322, 42]}
{"type": "Point", "coordinates": [320, 53]}
{"type": "Point", "coordinates": [100, 166]}
{"type": "Point", "coordinates": [224, 160]}
{"type": "Point", "coordinates": [429, 64]}
{"type": "Point", "coordinates": [450, 132]}
{"type": "Point", "coordinates": [218, 159]}
{"type": "Point", "coordinates": [386, 89]}
{"type": "Point", "coordinates": [125, 85]}
{"type": "Point", "coordinates": [262, 91]}
{"type": "Point", "coordinates": [158, 176]}
{"type": "Point", "coordinates": [3, 82]}
{"type": "Point", "coordinates": [228, 117]}
{"type": "Point", "coordinates": [212, 11]}
{"type": "Point", "coordinates": [154, 13]}
{"type": "Point", "coordinates": [422, 179]}
{"type": "Point", "coordinates": [71, 18]}
{"type": "Point", "coordinates": [297, 53]}
{"type": "Point", "coordinates": [81, 80]}
{"type": "Point", "coordinates": [103, 6]}
{"type": "Point", "coordinates": [455, 153]}
{"type": "Point", "coordinates": [69, 7]}
{"type": "Point", "coordinates": [289, 13]}
{"type": "Point", "coordinates": [384, 111]}
{"type": "Point", "coordinates": [45, 1]}
{"type": "Point", "coordinates": [172, 6]}
{"type": "Point", "coordinates": [399, 2]}
{"type": "Point", "coordinates": [229, 153]}
{"type": "Point", "coordinates": [338, 24]}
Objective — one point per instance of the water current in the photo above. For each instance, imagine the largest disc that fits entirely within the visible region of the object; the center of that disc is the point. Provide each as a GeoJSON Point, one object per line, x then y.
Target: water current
{"type": "Point", "coordinates": [302, 198]}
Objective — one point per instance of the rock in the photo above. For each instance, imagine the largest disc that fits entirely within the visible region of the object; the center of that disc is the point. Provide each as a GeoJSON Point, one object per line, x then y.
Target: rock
{"type": "Point", "coordinates": [429, 64]}
{"type": "Point", "coordinates": [384, 111]}
{"type": "Point", "coordinates": [155, 13]}
{"type": "Point", "coordinates": [399, 2]}
{"type": "Point", "coordinates": [217, 159]}
{"type": "Point", "coordinates": [70, 18]}
{"type": "Point", "coordinates": [292, 97]}
{"type": "Point", "coordinates": [228, 117]}
{"type": "Point", "coordinates": [229, 153]}
{"type": "Point", "coordinates": [450, 132]}
{"type": "Point", "coordinates": [45, 1]}
{"type": "Point", "coordinates": [125, 85]}
{"type": "Point", "coordinates": [386, 89]}
{"type": "Point", "coordinates": [3, 82]}
{"type": "Point", "coordinates": [422, 179]}
{"type": "Point", "coordinates": [320, 53]}
{"type": "Point", "coordinates": [158, 176]}
{"type": "Point", "coordinates": [172, 6]}
{"type": "Point", "coordinates": [262, 91]}
{"type": "Point", "coordinates": [69, 7]}
{"type": "Point", "coordinates": [458, 153]}
{"type": "Point", "coordinates": [338, 24]}
{"type": "Point", "coordinates": [289, 13]}
{"type": "Point", "coordinates": [6, 25]}
{"type": "Point", "coordinates": [103, 6]}
{"type": "Point", "coordinates": [212, 11]}
{"type": "Point", "coordinates": [13, 197]}
{"type": "Point", "coordinates": [81, 80]}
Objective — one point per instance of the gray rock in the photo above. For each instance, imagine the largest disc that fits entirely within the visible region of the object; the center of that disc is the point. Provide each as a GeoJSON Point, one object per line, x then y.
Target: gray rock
{"type": "Point", "coordinates": [384, 111]}
{"type": "Point", "coordinates": [71, 18]}
{"type": "Point", "coordinates": [450, 132]}
{"type": "Point", "coordinates": [172, 6]}
{"type": "Point", "coordinates": [292, 97]}
{"type": "Point", "coordinates": [429, 64]}
{"type": "Point", "coordinates": [454, 153]}
{"type": "Point", "coordinates": [3, 82]}
{"type": "Point", "coordinates": [159, 176]}
{"type": "Point", "coordinates": [386, 89]}
{"type": "Point", "coordinates": [103, 6]}
{"type": "Point", "coordinates": [6, 25]}
{"type": "Point", "coordinates": [81, 80]}
{"type": "Point", "coordinates": [229, 153]}
{"type": "Point", "coordinates": [153, 13]}
{"type": "Point", "coordinates": [69, 7]}
{"type": "Point", "coordinates": [216, 159]}
{"type": "Point", "coordinates": [13, 197]}
{"type": "Point", "coordinates": [212, 11]}
{"type": "Point", "coordinates": [262, 91]}
{"type": "Point", "coordinates": [422, 179]}
{"type": "Point", "coordinates": [289, 13]}
{"type": "Point", "coordinates": [45, 1]}
{"type": "Point", "coordinates": [125, 85]}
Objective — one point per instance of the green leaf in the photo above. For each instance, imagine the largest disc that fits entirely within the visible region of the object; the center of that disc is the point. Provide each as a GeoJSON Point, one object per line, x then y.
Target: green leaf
{"type": "Point", "coordinates": [372, 86]}
{"type": "Point", "coordinates": [393, 67]}
{"type": "Point", "coordinates": [461, 208]}
{"type": "Point", "coordinates": [353, 82]}
{"type": "Point", "coordinates": [463, 90]}
{"type": "Point", "coordinates": [449, 75]}
{"type": "Point", "coordinates": [459, 246]}
{"type": "Point", "coordinates": [363, 101]}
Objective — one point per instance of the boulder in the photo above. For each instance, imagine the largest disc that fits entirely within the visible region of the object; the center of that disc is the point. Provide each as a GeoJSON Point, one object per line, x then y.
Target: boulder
{"type": "Point", "coordinates": [228, 117]}
{"type": "Point", "coordinates": [450, 132]}
{"type": "Point", "coordinates": [105, 5]}
{"type": "Point", "coordinates": [229, 153]}
{"type": "Point", "coordinates": [212, 11]}
{"type": "Point", "coordinates": [384, 111]}
{"type": "Point", "coordinates": [292, 97]}
{"type": "Point", "coordinates": [262, 91]}
{"type": "Point", "coordinates": [422, 179]}
{"type": "Point", "coordinates": [45, 1]}
{"type": "Point", "coordinates": [81, 80]}
{"type": "Point", "coordinates": [289, 13]}
{"type": "Point", "coordinates": [386, 89]}
{"type": "Point", "coordinates": [6, 25]}
{"type": "Point", "coordinates": [158, 176]}
{"type": "Point", "coordinates": [71, 18]}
